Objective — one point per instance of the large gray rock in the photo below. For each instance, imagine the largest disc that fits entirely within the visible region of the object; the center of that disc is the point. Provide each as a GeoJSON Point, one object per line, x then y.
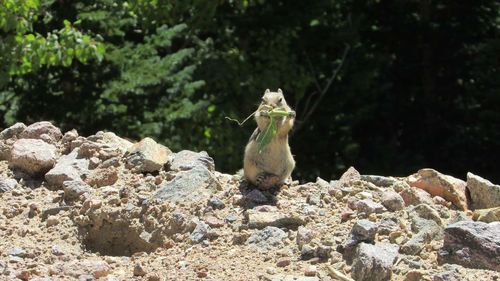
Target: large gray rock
{"type": "Point", "coordinates": [374, 262]}
{"type": "Point", "coordinates": [426, 226]}
{"type": "Point", "coordinates": [33, 156]}
{"type": "Point", "coordinates": [42, 130]}
{"type": "Point", "coordinates": [259, 220]}
{"type": "Point", "coordinates": [147, 156]}
{"type": "Point", "coordinates": [68, 168]}
{"type": "Point", "coordinates": [186, 160]}
{"type": "Point", "coordinates": [361, 231]}
{"type": "Point", "coordinates": [197, 184]}
{"type": "Point", "coordinates": [7, 184]}
{"type": "Point", "coordinates": [74, 188]}
{"type": "Point", "coordinates": [483, 193]}
{"type": "Point", "coordinates": [267, 238]}
{"type": "Point", "coordinates": [12, 131]}
{"type": "Point", "coordinates": [472, 244]}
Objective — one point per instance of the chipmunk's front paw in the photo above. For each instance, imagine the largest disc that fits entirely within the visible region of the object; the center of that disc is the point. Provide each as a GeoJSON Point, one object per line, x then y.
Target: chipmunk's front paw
{"type": "Point", "coordinates": [292, 114]}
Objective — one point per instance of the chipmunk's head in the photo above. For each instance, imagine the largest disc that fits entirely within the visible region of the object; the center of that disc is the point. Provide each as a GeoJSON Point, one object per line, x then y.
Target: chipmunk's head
{"type": "Point", "coordinates": [274, 99]}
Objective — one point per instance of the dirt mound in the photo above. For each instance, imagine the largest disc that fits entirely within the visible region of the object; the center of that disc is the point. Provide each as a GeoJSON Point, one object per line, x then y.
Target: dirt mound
{"type": "Point", "coordinates": [107, 209]}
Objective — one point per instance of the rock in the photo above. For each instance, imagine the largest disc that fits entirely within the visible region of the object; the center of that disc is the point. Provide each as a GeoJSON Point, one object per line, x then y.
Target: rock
{"type": "Point", "coordinates": [42, 130]}
{"type": "Point", "coordinates": [57, 251]}
{"type": "Point", "coordinates": [13, 131]}
{"type": "Point", "coordinates": [349, 176]}
{"type": "Point", "coordinates": [147, 156]}
{"type": "Point", "coordinates": [437, 184]}
{"type": "Point", "coordinates": [388, 225]}
{"type": "Point", "coordinates": [197, 184]}
{"type": "Point", "coordinates": [100, 269]}
{"type": "Point", "coordinates": [256, 196]}
{"type": "Point", "coordinates": [102, 177]}
{"type": "Point", "coordinates": [139, 270]}
{"type": "Point", "coordinates": [5, 148]}
{"type": "Point", "coordinates": [260, 220]}
{"type": "Point", "coordinates": [283, 262]}
{"type": "Point", "coordinates": [426, 226]}
{"type": "Point", "coordinates": [103, 145]}
{"type": "Point", "coordinates": [214, 221]}
{"type": "Point", "coordinates": [304, 236]}
{"type": "Point", "coordinates": [186, 160]}
{"type": "Point", "coordinates": [267, 238]}
{"type": "Point", "coordinates": [446, 276]}
{"type": "Point", "coordinates": [374, 262]}
{"type": "Point", "coordinates": [379, 180]}
{"type": "Point", "coordinates": [368, 206]}
{"type": "Point", "coordinates": [216, 203]}
{"type": "Point", "coordinates": [7, 184]}
{"type": "Point", "coordinates": [412, 195]}
{"type": "Point", "coordinates": [74, 188]}
{"type": "Point", "coordinates": [424, 211]}
{"type": "Point", "coordinates": [52, 220]}
{"type": "Point", "coordinates": [361, 231]}
{"type": "Point", "coordinates": [392, 201]}
{"type": "Point", "coordinates": [472, 244]}
{"type": "Point", "coordinates": [54, 211]}
{"type": "Point", "coordinates": [68, 168]}
{"type": "Point", "coordinates": [69, 136]}
{"type": "Point", "coordinates": [200, 232]}
{"type": "Point", "coordinates": [483, 193]}
{"type": "Point", "coordinates": [32, 156]}
{"type": "Point", "coordinates": [311, 270]}
{"type": "Point", "coordinates": [484, 215]}
{"type": "Point", "coordinates": [17, 252]}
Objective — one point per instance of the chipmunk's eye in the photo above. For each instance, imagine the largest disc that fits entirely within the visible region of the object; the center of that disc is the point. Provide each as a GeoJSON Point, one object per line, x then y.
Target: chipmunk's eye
{"type": "Point", "coordinates": [280, 100]}
{"type": "Point", "coordinates": [263, 100]}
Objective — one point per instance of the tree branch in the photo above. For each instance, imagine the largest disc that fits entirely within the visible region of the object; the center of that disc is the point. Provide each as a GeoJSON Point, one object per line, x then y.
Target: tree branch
{"type": "Point", "coordinates": [309, 110]}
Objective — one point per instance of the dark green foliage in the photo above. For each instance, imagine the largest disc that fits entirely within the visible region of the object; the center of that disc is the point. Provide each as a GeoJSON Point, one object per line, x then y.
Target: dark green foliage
{"type": "Point", "coordinates": [386, 86]}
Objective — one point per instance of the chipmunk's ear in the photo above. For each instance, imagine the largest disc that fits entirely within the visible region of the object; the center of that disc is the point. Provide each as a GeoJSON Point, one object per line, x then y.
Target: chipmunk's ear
{"type": "Point", "coordinates": [267, 91]}
{"type": "Point", "coordinates": [280, 91]}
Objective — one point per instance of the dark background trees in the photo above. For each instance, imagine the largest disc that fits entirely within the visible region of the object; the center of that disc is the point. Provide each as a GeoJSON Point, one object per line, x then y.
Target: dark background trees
{"type": "Point", "coordinates": [386, 86]}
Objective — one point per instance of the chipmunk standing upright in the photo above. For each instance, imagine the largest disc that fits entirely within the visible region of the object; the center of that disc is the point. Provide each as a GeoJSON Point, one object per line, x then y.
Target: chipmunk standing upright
{"type": "Point", "coordinates": [274, 164]}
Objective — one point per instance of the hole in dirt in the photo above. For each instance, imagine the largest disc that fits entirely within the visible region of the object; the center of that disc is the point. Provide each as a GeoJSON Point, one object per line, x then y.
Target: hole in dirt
{"type": "Point", "coordinates": [116, 239]}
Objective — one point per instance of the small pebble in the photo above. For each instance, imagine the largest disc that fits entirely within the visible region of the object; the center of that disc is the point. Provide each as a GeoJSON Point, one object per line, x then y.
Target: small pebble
{"type": "Point", "coordinates": [311, 271]}
{"type": "Point", "coordinates": [283, 262]}
{"type": "Point", "coordinates": [139, 270]}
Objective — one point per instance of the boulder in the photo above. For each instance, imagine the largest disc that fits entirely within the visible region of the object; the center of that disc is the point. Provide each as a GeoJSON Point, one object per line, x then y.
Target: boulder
{"type": "Point", "coordinates": [147, 156]}
{"type": "Point", "coordinates": [12, 131]}
{"type": "Point", "coordinates": [267, 238]}
{"type": "Point", "coordinates": [68, 168]}
{"type": "Point", "coordinates": [483, 193]}
{"type": "Point", "coordinates": [472, 244]}
{"type": "Point", "coordinates": [7, 184]}
{"type": "Point", "coordinates": [42, 130]}
{"type": "Point", "coordinates": [374, 262]}
{"type": "Point", "coordinates": [186, 160]}
{"type": "Point", "coordinates": [438, 184]}
{"type": "Point", "coordinates": [392, 201]}
{"type": "Point", "coordinates": [33, 156]}
{"type": "Point", "coordinates": [197, 184]}
{"type": "Point", "coordinates": [487, 215]}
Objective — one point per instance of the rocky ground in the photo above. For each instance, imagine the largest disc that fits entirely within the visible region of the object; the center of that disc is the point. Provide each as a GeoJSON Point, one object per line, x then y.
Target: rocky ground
{"type": "Point", "coordinates": [103, 208]}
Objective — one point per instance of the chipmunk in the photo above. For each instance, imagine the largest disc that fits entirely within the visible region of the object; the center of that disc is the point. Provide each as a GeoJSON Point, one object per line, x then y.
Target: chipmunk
{"type": "Point", "coordinates": [275, 163]}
